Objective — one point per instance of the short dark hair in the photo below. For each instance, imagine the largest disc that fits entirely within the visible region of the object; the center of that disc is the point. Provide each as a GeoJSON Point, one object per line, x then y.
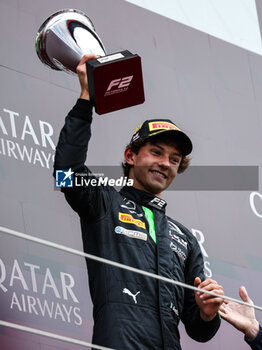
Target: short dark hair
{"type": "Point", "coordinates": [164, 137]}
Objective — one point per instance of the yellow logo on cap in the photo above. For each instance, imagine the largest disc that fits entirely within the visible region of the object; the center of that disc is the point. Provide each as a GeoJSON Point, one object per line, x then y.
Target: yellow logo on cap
{"type": "Point", "coordinates": [162, 125]}
{"type": "Point", "coordinates": [137, 129]}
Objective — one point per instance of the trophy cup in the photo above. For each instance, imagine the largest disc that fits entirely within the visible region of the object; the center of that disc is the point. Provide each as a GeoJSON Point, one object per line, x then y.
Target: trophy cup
{"type": "Point", "coordinates": [115, 81]}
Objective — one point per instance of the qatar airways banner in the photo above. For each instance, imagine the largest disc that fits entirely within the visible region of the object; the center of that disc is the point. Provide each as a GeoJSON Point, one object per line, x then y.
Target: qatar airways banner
{"type": "Point", "coordinates": [44, 290]}
{"type": "Point", "coordinates": [17, 135]}
{"type": "Point", "coordinates": [39, 294]}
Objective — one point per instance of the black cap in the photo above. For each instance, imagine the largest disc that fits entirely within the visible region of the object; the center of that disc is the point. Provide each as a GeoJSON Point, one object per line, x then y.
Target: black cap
{"type": "Point", "coordinates": [153, 127]}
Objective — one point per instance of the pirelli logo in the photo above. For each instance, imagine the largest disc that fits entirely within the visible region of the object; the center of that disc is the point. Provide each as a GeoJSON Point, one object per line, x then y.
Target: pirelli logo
{"type": "Point", "coordinates": [162, 125]}
{"type": "Point", "coordinates": [127, 218]}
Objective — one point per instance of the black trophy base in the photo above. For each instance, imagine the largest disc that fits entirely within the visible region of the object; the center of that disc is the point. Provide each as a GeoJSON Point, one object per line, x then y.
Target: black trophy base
{"type": "Point", "coordinates": [115, 81]}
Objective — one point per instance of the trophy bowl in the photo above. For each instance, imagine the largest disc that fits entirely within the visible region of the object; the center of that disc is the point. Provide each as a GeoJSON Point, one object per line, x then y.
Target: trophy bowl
{"type": "Point", "coordinates": [65, 37]}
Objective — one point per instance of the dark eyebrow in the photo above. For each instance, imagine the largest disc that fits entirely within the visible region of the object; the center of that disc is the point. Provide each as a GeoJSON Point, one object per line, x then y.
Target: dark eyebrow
{"type": "Point", "coordinates": [162, 149]}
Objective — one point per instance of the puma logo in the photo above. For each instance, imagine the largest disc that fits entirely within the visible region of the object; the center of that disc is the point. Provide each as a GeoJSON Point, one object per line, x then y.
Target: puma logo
{"type": "Point", "coordinates": [127, 291]}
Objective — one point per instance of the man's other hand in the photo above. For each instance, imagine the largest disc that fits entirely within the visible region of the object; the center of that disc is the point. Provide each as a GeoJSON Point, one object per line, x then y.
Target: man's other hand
{"type": "Point", "coordinates": [240, 316]}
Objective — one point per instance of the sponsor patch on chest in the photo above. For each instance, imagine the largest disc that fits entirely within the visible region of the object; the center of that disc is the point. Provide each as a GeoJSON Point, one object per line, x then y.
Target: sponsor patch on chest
{"type": "Point", "coordinates": [179, 251]}
{"type": "Point", "coordinates": [179, 240]}
{"type": "Point", "coordinates": [127, 218]}
{"type": "Point", "coordinates": [130, 233]}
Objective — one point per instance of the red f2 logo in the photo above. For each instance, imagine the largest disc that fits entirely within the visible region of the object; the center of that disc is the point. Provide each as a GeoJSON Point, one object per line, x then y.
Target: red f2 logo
{"type": "Point", "coordinates": [120, 83]}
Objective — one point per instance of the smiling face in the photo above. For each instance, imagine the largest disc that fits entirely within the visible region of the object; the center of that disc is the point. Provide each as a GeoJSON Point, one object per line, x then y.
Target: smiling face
{"type": "Point", "coordinates": [154, 167]}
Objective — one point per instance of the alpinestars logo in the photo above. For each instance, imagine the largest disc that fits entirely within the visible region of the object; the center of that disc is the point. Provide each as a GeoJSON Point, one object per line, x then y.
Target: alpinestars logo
{"type": "Point", "coordinates": [131, 207]}
{"type": "Point", "coordinates": [117, 86]}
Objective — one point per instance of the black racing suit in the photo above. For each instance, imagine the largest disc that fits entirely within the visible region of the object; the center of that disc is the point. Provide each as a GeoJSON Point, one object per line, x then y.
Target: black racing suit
{"type": "Point", "coordinates": [132, 311]}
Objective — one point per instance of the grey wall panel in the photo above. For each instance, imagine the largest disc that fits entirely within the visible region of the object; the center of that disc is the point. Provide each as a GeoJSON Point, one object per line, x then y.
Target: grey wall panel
{"type": "Point", "coordinates": [225, 218]}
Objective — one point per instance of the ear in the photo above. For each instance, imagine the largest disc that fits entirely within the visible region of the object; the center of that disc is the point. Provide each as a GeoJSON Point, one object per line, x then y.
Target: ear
{"type": "Point", "coordinates": [129, 156]}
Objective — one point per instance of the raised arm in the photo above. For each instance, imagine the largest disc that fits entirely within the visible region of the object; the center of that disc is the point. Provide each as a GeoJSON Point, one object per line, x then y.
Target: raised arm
{"type": "Point", "coordinates": [71, 151]}
{"type": "Point", "coordinates": [75, 134]}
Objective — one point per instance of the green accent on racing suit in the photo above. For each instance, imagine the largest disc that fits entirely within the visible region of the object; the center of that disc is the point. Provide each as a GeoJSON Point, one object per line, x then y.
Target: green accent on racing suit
{"type": "Point", "coordinates": [150, 218]}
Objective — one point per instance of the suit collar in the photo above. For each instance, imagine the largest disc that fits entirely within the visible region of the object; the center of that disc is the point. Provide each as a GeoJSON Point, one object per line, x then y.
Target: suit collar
{"type": "Point", "coordinates": [143, 198]}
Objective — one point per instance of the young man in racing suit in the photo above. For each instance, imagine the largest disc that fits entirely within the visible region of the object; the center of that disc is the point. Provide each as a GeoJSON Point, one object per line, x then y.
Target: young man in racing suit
{"type": "Point", "coordinates": [132, 311]}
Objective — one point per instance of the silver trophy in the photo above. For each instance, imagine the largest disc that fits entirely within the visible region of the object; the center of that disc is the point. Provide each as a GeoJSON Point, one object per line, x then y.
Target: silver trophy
{"type": "Point", "coordinates": [115, 81]}
{"type": "Point", "coordinates": [65, 37]}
